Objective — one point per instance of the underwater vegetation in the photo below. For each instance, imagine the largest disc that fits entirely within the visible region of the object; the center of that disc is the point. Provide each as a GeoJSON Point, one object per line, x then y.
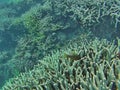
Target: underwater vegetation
{"type": "Point", "coordinates": [97, 68]}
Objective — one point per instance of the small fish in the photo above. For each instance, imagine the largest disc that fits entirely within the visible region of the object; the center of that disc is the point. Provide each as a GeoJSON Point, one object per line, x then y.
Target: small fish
{"type": "Point", "coordinates": [72, 56]}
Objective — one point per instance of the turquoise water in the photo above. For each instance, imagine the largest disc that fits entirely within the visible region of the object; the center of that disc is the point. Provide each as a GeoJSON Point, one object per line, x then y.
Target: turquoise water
{"type": "Point", "coordinates": [5, 1]}
{"type": "Point", "coordinates": [32, 29]}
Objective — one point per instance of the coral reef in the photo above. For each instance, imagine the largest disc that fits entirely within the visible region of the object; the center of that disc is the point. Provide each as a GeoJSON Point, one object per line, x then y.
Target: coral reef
{"type": "Point", "coordinates": [53, 16]}
{"type": "Point", "coordinates": [97, 68]}
{"type": "Point", "coordinates": [96, 15]}
{"type": "Point", "coordinates": [30, 29]}
{"type": "Point", "coordinates": [11, 30]}
{"type": "Point", "coordinates": [88, 12]}
{"type": "Point", "coordinates": [42, 19]}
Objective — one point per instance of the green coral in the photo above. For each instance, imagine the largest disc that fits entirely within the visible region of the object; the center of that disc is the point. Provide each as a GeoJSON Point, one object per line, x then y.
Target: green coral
{"type": "Point", "coordinates": [37, 19]}
{"type": "Point", "coordinates": [90, 12]}
{"type": "Point", "coordinates": [43, 18]}
{"type": "Point", "coordinates": [99, 16]}
{"type": "Point", "coordinates": [89, 72]}
{"type": "Point", "coordinates": [51, 22]}
{"type": "Point", "coordinates": [69, 15]}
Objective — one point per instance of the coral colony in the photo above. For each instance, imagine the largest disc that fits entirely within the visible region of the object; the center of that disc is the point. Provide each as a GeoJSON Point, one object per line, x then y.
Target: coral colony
{"type": "Point", "coordinates": [60, 45]}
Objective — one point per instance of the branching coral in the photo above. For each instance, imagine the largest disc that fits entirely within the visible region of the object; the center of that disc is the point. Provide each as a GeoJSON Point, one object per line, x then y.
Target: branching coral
{"type": "Point", "coordinates": [88, 12]}
{"type": "Point", "coordinates": [52, 17]}
{"type": "Point", "coordinates": [43, 18]}
{"type": "Point", "coordinates": [57, 15]}
{"type": "Point", "coordinates": [56, 72]}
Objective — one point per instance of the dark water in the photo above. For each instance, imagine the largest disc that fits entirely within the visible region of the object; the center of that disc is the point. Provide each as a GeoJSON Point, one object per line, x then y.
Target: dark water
{"type": "Point", "coordinates": [30, 29]}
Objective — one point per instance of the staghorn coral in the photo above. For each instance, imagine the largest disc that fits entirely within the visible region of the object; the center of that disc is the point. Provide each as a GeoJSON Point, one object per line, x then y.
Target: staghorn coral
{"type": "Point", "coordinates": [90, 72]}
{"type": "Point", "coordinates": [60, 16]}
{"type": "Point", "coordinates": [89, 12]}
{"type": "Point", "coordinates": [41, 19]}
{"type": "Point", "coordinates": [99, 16]}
